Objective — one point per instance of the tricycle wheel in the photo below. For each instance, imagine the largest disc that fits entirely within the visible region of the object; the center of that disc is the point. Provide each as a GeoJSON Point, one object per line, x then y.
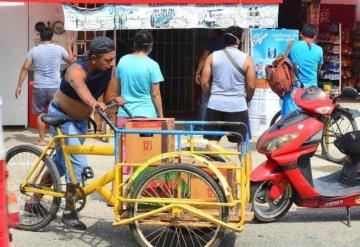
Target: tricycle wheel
{"type": "Point", "coordinates": [265, 209]}
{"type": "Point", "coordinates": [176, 226]}
{"type": "Point", "coordinates": [36, 210]}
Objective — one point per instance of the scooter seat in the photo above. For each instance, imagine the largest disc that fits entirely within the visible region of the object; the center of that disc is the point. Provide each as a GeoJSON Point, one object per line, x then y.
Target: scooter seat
{"type": "Point", "coordinates": [54, 120]}
{"type": "Point", "coordinates": [330, 186]}
{"type": "Point", "coordinates": [349, 143]}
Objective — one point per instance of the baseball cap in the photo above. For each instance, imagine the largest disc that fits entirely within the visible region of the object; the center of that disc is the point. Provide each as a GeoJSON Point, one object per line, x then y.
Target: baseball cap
{"type": "Point", "coordinates": [101, 45]}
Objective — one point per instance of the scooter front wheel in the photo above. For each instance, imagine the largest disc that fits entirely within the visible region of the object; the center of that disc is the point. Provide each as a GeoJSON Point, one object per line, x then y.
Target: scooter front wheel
{"type": "Point", "coordinates": [268, 210]}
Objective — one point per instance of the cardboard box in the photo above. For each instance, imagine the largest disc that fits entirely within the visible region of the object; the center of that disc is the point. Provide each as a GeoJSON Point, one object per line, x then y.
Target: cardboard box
{"type": "Point", "coordinates": [203, 191]}
{"type": "Point", "coordinates": [140, 148]}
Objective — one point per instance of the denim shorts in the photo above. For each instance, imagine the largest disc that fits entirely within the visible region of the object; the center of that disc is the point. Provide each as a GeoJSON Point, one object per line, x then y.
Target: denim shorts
{"type": "Point", "coordinates": [41, 98]}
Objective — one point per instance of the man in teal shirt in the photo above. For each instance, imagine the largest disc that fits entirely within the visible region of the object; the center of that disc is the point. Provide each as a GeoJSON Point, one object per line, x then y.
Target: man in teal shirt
{"type": "Point", "coordinates": [139, 79]}
{"type": "Point", "coordinates": [309, 58]}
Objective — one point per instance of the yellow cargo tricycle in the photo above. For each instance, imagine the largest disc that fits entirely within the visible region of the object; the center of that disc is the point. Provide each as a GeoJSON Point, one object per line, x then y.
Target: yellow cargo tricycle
{"type": "Point", "coordinates": [185, 197]}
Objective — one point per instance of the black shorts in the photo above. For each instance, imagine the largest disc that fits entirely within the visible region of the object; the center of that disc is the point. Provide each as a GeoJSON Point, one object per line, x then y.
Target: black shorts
{"type": "Point", "coordinates": [239, 117]}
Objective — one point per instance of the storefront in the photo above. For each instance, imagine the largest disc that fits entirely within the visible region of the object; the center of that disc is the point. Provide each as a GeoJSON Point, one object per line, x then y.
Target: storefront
{"type": "Point", "coordinates": [177, 48]}
{"type": "Point", "coordinates": [339, 36]}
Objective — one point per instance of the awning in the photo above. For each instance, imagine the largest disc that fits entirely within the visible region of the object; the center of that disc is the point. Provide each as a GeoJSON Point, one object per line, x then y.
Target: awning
{"type": "Point", "coordinates": [170, 16]}
{"type": "Point", "coordinates": [155, 1]}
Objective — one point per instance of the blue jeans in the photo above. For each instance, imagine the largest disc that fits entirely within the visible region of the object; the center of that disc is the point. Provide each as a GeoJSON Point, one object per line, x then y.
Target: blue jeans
{"type": "Point", "coordinates": [71, 127]}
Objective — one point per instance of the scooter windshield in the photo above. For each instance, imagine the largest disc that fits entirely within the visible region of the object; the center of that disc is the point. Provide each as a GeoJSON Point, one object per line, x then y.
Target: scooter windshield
{"type": "Point", "coordinates": [312, 93]}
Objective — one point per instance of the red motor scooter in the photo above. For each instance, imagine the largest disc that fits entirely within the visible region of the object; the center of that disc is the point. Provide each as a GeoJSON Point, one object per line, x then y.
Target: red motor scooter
{"type": "Point", "coordinates": [286, 176]}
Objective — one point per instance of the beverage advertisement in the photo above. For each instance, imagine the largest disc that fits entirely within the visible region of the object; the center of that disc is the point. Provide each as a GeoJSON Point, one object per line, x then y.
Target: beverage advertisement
{"type": "Point", "coordinates": [266, 44]}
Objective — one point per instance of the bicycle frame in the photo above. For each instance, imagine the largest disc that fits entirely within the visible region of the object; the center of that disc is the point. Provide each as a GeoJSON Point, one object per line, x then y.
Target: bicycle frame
{"type": "Point", "coordinates": [120, 197]}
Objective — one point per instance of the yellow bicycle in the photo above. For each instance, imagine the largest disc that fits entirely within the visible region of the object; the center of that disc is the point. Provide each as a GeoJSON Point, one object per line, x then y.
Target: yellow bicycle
{"type": "Point", "coordinates": [179, 198]}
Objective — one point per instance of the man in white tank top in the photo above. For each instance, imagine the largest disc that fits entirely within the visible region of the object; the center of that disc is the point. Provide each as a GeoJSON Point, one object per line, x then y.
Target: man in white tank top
{"type": "Point", "coordinates": [232, 87]}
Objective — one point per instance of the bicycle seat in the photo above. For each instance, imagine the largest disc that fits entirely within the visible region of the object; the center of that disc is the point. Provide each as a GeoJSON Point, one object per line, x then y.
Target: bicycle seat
{"type": "Point", "coordinates": [54, 120]}
{"type": "Point", "coordinates": [349, 143]}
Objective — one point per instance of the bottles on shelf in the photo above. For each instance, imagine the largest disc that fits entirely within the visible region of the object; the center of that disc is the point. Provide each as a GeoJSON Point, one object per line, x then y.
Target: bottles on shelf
{"type": "Point", "coordinates": [330, 41]}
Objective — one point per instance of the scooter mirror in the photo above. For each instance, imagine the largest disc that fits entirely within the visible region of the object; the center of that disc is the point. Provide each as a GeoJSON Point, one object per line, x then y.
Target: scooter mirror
{"type": "Point", "coordinates": [349, 92]}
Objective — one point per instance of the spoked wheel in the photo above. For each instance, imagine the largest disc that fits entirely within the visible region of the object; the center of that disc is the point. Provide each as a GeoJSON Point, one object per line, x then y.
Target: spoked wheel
{"type": "Point", "coordinates": [177, 227]}
{"type": "Point", "coordinates": [36, 210]}
{"type": "Point", "coordinates": [336, 126]}
{"type": "Point", "coordinates": [265, 209]}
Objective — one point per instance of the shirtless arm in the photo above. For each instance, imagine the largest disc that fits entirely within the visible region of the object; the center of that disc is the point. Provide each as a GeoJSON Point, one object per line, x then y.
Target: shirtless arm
{"type": "Point", "coordinates": [206, 74]}
{"type": "Point", "coordinates": [250, 78]}
{"type": "Point", "coordinates": [111, 94]}
{"type": "Point", "coordinates": [76, 78]}
{"type": "Point", "coordinates": [200, 66]}
{"type": "Point", "coordinates": [23, 72]}
{"type": "Point", "coordinates": [156, 97]}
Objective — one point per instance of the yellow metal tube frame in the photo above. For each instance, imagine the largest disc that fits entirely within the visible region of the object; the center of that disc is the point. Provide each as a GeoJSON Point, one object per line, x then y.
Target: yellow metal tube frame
{"type": "Point", "coordinates": [195, 211]}
{"type": "Point", "coordinates": [242, 173]}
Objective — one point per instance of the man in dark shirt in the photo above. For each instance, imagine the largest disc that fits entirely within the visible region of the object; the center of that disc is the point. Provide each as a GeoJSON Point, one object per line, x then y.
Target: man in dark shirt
{"type": "Point", "coordinates": [214, 42]}
{"type": "Point", "coordinates": [83, 83]}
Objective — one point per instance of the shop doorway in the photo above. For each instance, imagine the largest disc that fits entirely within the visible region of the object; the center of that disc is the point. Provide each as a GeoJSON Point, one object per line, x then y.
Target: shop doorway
{"type": "Point", "coordinates": [174, 50]}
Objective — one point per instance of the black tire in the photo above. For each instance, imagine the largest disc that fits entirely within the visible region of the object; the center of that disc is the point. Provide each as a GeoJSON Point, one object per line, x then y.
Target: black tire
{"type": "Point", "coordinates": [170, 168]}
{"type": "Point", "coordinates": [259, 214]}
{"type": "Point", "coordinates": [210, 157]}
{"type": "Point", "coordinates": [275, 118]}
{"type": "Point", "coordinates": [330, 134]}
{"type": "Point", "coordinates": [17, 174]}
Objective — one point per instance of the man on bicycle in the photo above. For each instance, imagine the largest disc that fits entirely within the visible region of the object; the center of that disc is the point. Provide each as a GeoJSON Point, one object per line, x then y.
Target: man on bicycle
{"type": "Point", "coordinates": [83, 83]}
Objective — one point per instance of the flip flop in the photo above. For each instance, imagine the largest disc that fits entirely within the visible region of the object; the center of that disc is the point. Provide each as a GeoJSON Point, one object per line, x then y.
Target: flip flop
{"type": "Point", "coordinates": [40, 143]}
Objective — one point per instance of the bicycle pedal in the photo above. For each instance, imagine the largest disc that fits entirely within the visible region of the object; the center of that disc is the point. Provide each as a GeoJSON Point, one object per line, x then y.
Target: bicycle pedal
{"type": "Point", "coordinates": [87, 172]}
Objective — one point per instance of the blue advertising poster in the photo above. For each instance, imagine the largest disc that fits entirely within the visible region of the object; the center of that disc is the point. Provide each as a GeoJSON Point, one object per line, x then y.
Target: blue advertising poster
{"type": "Point", "coordinates": [266, 44]}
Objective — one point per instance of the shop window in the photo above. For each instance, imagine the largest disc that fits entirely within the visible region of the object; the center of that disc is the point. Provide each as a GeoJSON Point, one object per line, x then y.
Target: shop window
{"type": "Point", "coordinates": [84, 37]}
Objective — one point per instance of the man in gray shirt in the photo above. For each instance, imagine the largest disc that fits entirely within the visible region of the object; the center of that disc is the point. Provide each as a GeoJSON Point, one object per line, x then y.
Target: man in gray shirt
{"type": "Point", "coordinates": [45, 60]}
{"type": "Point", "coordinates": [233, 84]}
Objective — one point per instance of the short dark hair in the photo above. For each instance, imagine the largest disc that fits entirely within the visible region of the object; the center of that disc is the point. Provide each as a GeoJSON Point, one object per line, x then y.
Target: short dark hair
{"type": "Point", "coordinates": [143, 40]}
{"type": "Point", "coordinates": [308, 31]}
{"type": "Point", "coordinates": [100, 45]}
{"type": "Point", "coordinates": [46, 34]}
{"type": "Point", "coordinates": [231, 33]}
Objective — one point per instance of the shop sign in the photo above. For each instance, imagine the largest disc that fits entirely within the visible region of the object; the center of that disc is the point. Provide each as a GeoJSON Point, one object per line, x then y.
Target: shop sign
{"type": "Point", "coordinates": [109, 17]}
{"type": "Point", "coordinates": [266, 44]}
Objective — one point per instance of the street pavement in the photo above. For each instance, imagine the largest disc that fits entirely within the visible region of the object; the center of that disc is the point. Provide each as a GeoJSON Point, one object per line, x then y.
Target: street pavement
{"type": "Point", "coordinates": [300, 227]}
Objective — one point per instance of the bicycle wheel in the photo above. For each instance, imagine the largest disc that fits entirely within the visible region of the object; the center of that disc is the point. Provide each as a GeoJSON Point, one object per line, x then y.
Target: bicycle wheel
{"type": "Point", "coordinates": [275, 118]}
{"type": "Point", "coordinates": [337, 125]}
{"type": "Point", "coordinates": [36, 211]}
{"type": "Point", "coordinates": [177, 227]}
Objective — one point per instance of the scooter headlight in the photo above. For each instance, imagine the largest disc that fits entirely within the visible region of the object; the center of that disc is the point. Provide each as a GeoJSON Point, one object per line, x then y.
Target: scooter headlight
{"type": "Point", "coordinates": [278, 142]}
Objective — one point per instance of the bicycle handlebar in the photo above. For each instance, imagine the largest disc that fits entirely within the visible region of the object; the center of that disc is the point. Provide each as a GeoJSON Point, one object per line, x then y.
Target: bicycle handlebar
{"type": "Point", "coordinates": [106, 117]}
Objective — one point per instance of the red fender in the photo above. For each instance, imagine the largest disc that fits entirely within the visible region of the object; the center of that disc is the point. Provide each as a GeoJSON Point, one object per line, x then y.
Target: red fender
{"type": "Point", "coordinates": [269, 171]}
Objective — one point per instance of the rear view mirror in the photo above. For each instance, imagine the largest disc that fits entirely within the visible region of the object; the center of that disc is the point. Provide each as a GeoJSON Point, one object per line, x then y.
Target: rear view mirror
{"type": "Point", "coordinates": [349, 92]}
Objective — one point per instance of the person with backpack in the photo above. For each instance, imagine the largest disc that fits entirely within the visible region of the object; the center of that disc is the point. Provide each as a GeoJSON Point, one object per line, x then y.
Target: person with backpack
{"type": "Point", "coordinates": [308, 57]}
{"type": "Point", "coordinates": [232, 88]}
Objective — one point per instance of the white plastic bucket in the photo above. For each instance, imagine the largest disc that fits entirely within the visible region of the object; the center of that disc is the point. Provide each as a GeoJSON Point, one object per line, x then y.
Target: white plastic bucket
{"type": "Point", "coordinates": [263, 106]}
